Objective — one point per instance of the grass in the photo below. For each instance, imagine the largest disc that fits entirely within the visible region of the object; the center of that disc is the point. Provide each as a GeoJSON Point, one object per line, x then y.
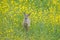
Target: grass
{"type": "Point", "coordinates": [45, 19]}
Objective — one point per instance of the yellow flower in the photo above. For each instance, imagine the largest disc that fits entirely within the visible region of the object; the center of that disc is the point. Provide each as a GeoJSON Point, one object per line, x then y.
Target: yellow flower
{"type": "Point", "coordinates": [14, 14]}
{"type": "Point", "coordinates": [51, 10]}
{"type": "Point", "coordinates": [5, 1]}
{"type": "Point", "coordinates": [15, 19]}
{"type": "Point", "coordinates": [45, 11]}
{"type": "Point", "coordinates": [54, 1]}
{"type": "Point", "coordinates": [21, 0]}
{"type": "Point", "coordinates": [0, 32]}
{"type": "Point", "coordinates": [57, 19]}
{"type": "Point", "coordinates": [10, 30]}
{"type": "Point", "coordinates": [12, 2]}
{"type": "Point", "coordinates": [23, 7]}
{"type": "Point", "coordinates": [15, 8]}
{"type": "Point", "coordinates": [51, 15]}
{"type": "Point", "coordinates": [26, 0]}
{"type": "Point", "coordinates": [5, 18]}
{"type": "Point", "coordinates": [58, 6]}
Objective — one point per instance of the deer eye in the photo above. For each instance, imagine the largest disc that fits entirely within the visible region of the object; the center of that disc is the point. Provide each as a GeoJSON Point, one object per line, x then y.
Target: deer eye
{"type": "Point", "coordinates": [25, 18]}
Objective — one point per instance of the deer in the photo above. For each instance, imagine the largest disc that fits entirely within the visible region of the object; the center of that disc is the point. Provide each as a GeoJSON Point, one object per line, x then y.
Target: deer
{"type": "Point", "coordinates": [26, 21]}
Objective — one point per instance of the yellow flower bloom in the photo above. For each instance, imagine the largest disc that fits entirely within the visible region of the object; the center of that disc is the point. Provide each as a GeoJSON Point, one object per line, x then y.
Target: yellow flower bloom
{"type": "Point", "coordinates": [10, 30]}
{"type": "Point", "coordinates": [54, 1]}
{"type": "Point", "coordinates": [5, 18]}
{"type": "Point", "coordinates": [0, 32]}
{"type": "Point", "coordinates": [5, 1]}
{"type": "Point", "coordinates": [26, 0]}
{"type": "Point", "coordinates": [12, 2]}
{"type": "Point", "coordinates": [14, 14]}
{"type": "Point", "coordinates": [15, 8]}
{"type": "Point", "coordinates": [51, 10]}
{"type": "Point", "coordinates": [21, 0]}
{"type": "Point", "coordinates": [23, 7]}
{"type": "Point", "coordinates": [57, 19]}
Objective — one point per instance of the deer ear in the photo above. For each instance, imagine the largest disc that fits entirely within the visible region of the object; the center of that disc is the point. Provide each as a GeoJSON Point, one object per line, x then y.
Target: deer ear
{"type": "Point", "coordinates": [29, 14]}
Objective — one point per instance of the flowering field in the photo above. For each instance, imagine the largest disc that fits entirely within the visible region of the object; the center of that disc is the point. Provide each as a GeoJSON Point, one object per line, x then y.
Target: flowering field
{"type": "Point", "coordinates": [45, 19]}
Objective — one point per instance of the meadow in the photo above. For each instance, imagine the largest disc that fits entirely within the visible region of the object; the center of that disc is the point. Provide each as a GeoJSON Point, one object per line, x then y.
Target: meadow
{"type": "Point", "coordinates": [45, 19]}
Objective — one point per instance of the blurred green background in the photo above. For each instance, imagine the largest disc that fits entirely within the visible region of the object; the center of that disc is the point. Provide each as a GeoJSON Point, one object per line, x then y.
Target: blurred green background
{"type": "Point", "coordinates": [45, 19]}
